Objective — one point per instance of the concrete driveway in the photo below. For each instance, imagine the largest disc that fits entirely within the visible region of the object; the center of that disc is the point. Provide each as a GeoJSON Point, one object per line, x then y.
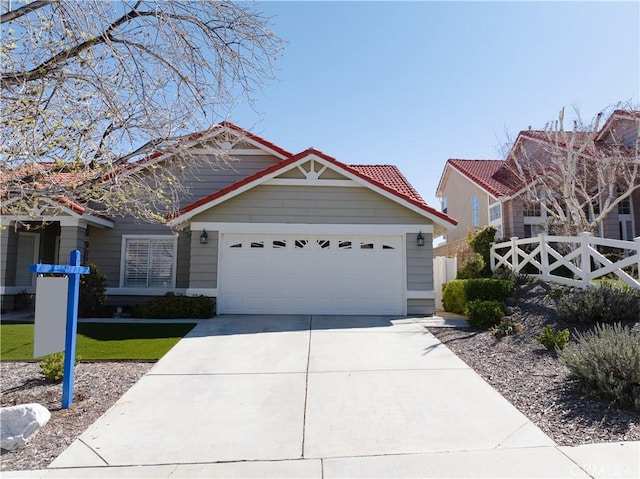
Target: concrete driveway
{"type": "Point", "coordinates": [314, 396]}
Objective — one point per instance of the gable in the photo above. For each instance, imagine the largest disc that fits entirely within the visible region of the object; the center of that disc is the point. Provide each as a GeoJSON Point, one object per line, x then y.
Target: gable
{"type": "Point", "coordinates": [275, 203]}
{"type": "Point", "coordinates": [313, 169]}
{"type": "Point", "coordinates": [476, 174]}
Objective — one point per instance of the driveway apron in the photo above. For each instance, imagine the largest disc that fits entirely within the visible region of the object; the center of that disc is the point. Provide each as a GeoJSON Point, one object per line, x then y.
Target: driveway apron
{"type": "Point", "coordinates": [277, 388]}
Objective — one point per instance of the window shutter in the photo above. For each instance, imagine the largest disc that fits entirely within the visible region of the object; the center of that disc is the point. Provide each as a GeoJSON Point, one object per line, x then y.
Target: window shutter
{"type": "Point", "coordinates": [161, 270]}
{"type": "Point", "coordinates": [137, 264]}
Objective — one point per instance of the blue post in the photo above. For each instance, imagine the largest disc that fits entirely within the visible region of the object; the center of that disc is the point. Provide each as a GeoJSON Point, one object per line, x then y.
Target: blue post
{"type": "Point", "coordinates": [73, 294]}
{"type": "Point", "coordinates": [73, 271]}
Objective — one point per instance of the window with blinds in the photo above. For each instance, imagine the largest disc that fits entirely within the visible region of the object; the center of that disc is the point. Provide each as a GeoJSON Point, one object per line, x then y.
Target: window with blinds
{"type": "Point", "coordinates": [149, 262]}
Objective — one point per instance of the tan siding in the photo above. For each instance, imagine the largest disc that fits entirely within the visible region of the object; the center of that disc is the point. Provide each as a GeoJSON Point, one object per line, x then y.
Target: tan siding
{"type": "Point", "coordinates": [183, 261]}
{"type": "Point", "coordinates": [332, 175]}
{"type": "Point", "coordinates": [458, 190]}
{"type": "Point", "coordinates": [71, 237]}
{"type": "Point", "coordinates": [325, 205]}
{"type": "Point", "coordinates": [421, 307]}
{"type": "Point", "coordinates": [204, 261]}
{"type": "Point", "coordinates": [419, 263]}
{"type": "Point", "coordinates": [611, 225]}
{"type": "Point", "coordinates": [203, 180]}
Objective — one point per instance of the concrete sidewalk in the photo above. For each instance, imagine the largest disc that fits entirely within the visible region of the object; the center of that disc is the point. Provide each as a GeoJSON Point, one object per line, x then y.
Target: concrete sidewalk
{"type": "Point", "coordinates": [321, 396]}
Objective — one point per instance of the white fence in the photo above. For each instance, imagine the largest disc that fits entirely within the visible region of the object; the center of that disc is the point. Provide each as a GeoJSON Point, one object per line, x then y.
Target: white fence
{"type": "Point", "coordinates": [444, 270]}
{"type": "Point", "coordinates": [570, 260]}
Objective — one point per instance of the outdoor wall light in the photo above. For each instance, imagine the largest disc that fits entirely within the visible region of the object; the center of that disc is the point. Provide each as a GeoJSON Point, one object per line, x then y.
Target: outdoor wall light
{"type": "Point", "coordinates": [204, 237]}
{"type": "Point", "coordinates": [420, 239]}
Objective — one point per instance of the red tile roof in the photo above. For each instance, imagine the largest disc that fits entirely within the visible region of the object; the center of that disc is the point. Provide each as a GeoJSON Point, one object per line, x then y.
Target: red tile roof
{"type": "Point", "coordinates": [626, 113]}
{"type": "Point", "coordinates": [49, 172]}
{"type": "Point", "coordinates": [491, 175]}
{"type": "Point", "coordinates": [385, 177]}
{"type": "Point", "coordinates": [559, 138]}
{"type": "Point", "coordinates": [391, 176]}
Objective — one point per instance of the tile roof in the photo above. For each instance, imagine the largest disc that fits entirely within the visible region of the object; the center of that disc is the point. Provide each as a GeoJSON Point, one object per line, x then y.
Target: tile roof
{"type": "Point", "coordinates": [391, 176]}
{"type": "Point", "coordinates": [492, 175]}
{"type": "Point", "coordinates": [49, 172]}
{"type": "Point", "coordinates": [559, 138]}
{"type": "Point", "coordinates": [626, 113]}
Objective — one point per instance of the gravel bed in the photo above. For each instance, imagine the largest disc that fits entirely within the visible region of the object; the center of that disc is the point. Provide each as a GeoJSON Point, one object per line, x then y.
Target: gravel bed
{"type": "Point", "coordinates": [97, 387]}
{"type": "Point", "coordinates": [534, 380]}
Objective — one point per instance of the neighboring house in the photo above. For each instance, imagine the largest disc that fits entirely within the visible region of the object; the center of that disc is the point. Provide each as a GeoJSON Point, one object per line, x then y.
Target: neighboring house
{"type": "Point", "coordinates": [481, 193]}
{"type": "Point", "coordinates": [276, 233]}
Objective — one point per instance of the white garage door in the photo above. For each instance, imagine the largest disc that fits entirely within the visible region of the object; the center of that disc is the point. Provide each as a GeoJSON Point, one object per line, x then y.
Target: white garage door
{"type": "Point", "coordinates": [310, 274]}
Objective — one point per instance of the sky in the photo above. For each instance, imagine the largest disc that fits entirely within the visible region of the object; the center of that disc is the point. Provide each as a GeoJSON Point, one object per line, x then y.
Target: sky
{"type": "Point", "coordinates": [415, 83]}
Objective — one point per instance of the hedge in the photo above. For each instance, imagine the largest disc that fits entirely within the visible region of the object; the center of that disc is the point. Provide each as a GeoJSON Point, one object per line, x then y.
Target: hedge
{"type": "Point", "coordinates": [458, 293]}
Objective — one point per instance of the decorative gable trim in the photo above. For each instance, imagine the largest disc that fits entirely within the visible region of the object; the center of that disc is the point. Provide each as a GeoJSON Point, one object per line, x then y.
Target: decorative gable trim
{"type": "Point", "coordinates": [64, 211]}
{"type": "Point", "coordinates": [322, 162]}
{"type": "Point", "coordinates": [312, 176]}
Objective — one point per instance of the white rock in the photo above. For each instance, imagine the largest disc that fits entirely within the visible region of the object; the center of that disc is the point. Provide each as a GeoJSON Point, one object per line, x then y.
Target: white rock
{"type": "Point", "coordinates": [19, 424]}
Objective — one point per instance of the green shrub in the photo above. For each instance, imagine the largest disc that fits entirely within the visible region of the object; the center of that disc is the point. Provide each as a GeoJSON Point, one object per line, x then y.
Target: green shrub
{"type": "Point", "coordinates": [551, 339]}
{"type": "Point", "coordinates": [453, 297]}
{"type": "Point", "coordinates": [555, 293]}
{"type": "Point", "coordinates": [471, 268]}
{"type": "Point", "coordinates": [481, 244]}
{"type": "Point", "coordinates": [607, 303]}
{"type": "Point", "coordinates": [506, 327]}
{"type": "Point", "coordinates": [607, 361]}
{"type": "Point", "coordinates": [93, 287]}
{"type": "Point", "coordinates": [53, 366]}
{"type": "Point", "coordinates": [484, 314]}
{"type": "Point", "coordinates": [458, 293]}
{"type": "Point", "coordinates": [488, 289]}
{"type": "Point", "coordinates": [173, 306]}
{"type": "Point", "coordinates": [505, 273]}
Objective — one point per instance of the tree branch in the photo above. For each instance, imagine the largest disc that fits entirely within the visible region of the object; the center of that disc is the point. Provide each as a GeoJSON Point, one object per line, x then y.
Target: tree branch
{"type": "Point", "coordinates": [25, 10]}
{"type": "Point", "coordinates": [40, 71]}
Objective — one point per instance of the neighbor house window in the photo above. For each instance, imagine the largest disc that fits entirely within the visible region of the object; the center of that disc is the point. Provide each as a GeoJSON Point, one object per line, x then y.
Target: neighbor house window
{"type": "Point", "coordinates": [475, 207]}
{"type": "Point", "coordinates": [495, 213]}
{"type": "Point", "coordinates": [532, 208]}
{"type": "Point", "coordinates": [624, 207]}
{"type": "Point", "coordinates": [148, 262]}
{"type": "Point", "coordinates": [444, 205]}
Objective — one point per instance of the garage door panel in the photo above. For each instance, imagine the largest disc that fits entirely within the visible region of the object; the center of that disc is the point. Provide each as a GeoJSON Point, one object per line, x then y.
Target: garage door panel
{"type": "Point", "coordinates": [310, 274]}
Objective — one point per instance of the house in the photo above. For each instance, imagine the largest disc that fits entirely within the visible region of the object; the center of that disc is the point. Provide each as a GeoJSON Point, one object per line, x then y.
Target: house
{"type": "Point", "coordinates": [480, 193]}
{"type": "Point", "coordinates": [275, 233]}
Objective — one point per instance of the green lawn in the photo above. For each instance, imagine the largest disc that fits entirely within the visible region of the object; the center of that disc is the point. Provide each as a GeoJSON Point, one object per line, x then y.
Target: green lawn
{"type": "Point", "coordinates": [100, 341]}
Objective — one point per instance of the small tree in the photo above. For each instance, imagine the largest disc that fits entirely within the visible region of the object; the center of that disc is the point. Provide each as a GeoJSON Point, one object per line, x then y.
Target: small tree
{"type": "Point", "coordinates": [575, 176]}
{"type": "Point", "coordinates": [481, 244]}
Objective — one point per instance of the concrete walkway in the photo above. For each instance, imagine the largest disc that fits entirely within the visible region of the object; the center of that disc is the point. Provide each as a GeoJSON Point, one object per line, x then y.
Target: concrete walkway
{"type": "Point", "coordinates": [321, 397]}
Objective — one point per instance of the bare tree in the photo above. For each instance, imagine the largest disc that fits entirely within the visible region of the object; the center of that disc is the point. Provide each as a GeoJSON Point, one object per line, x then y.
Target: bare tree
{"type": "Point", "coordinates": [579, 176]}
{"type": "Point", "coordinates": [90, 86]}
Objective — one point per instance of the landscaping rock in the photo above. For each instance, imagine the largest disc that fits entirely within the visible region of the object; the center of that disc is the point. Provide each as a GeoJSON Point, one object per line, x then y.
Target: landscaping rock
{"type": "Point", "coordinates": [511, 301]}
{"type": "Point", "coordinates": [508, 311]}
{"type": "Point", "coordinates": [20, 423]}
